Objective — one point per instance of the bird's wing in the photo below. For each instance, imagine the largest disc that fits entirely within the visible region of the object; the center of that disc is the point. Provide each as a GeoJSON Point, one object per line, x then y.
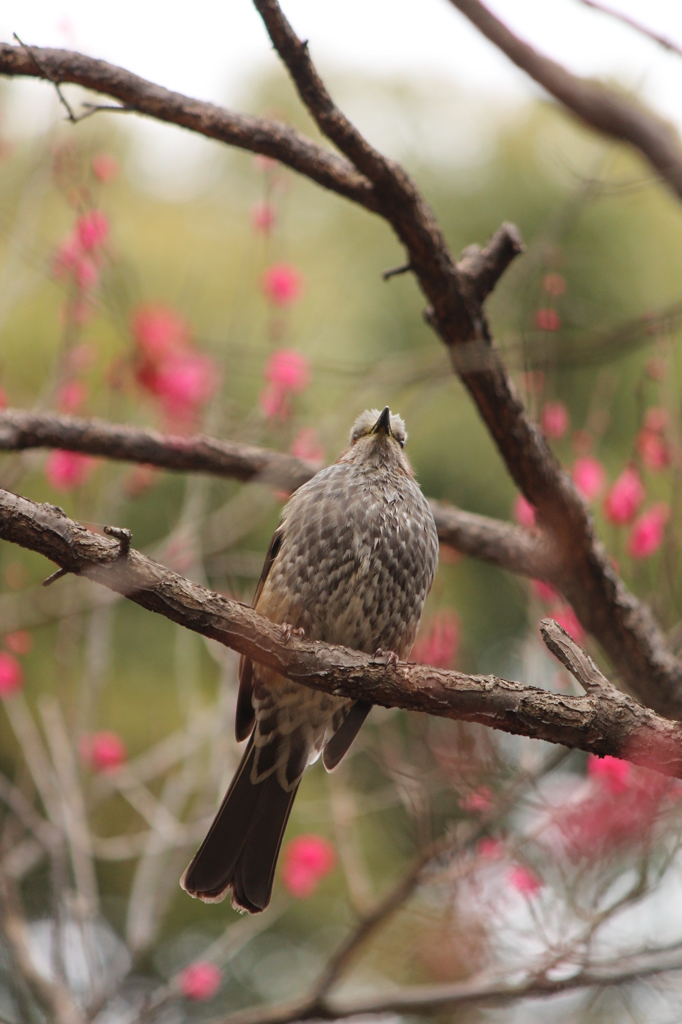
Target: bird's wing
{"type": "Point", "coordinates": [246, 715]}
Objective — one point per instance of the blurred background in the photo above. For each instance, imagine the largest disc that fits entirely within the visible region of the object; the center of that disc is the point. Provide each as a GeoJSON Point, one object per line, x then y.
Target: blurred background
{"type": "Point", "coordinates": [153, 278]}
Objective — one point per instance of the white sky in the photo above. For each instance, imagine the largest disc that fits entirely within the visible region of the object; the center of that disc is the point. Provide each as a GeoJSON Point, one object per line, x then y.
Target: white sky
{"type": "Point", "coordinates": [206, 48]}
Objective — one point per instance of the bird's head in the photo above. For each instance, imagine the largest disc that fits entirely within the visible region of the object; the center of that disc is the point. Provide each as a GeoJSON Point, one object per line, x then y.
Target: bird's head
{"type": "Point", "coordinates": [378, 436]}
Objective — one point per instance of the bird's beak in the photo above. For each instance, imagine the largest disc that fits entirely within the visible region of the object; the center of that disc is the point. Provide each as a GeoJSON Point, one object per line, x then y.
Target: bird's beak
{"type": "Point", "coordinates": [383, 424]}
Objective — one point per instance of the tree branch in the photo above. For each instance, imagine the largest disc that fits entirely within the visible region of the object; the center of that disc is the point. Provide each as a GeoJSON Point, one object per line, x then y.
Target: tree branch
{"type": "Point", "coordinates": [611, 723]}
{"type": "Point", "coordinates": [633, 23]}
{"type": "Point", "coordinates": [594, 104]}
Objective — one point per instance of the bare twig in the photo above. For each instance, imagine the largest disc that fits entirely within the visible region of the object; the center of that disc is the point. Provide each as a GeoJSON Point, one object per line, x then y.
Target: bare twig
{"type": "Point", "coordinates": [633, 23]}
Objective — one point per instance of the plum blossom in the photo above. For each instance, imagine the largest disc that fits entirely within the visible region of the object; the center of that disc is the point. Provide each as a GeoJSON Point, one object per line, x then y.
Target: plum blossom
{"type": "Point", "coordinates": [547, 320]}
{"type": "Point", "coordinates": [92, 229]}
{"type": "Point", "coordinates": [652, 450]}
{"type": "Point", "coordinates": [104, 167]}
{"type": "Point", "coordinates": [3, 399]}
{"type": "Point", "coordinates": [438, 645]}
{"type": "Point", "coordinates": [524, 512]}
{"type": "Point", "coordinates": [72, 396]}
{"type": "Point", "coordinates": [201, 980]}
{"type": "Point", "coordinates": [589, 476]}
{"type": "Point", "coordinates": [646, 535]}
{"type": "Point", "coordinates": [612, 772]}
{"type": "Point", "coordinates": [307, 860]}
{"type": "Point", "coordinates": [185, 383]}
{"type": "Point", "coordinates": [263, 218]}
{"type": "Point", "coordinates": [524, 880]}
{"type": "Point", "coordinates": [490, 848]}
{"type": "Point", "coordinates": [68, 470]}
{"type": "Point", "coordinates": [11, 675]}
{"type": "Point", "coordinates": [555, 420]}
{"type": "Point", "coordinates": [624, 497]}
{"type": "Point", "coordinates": [282, 284]}
{"type": "Point", "coordinates": [656, 419]}
{"type": "Point", "coordinates": [19, 642]}
{"type": "Point", "coordinates": [479, 800]}
{"type": "Point", "coordinates": [103, 751]}
{"type": "Point", "coordinates": [159, 331]}
{"type": "Point", "coordinates": [544, 591]}
{"type": "Point", "coordinates": [287, 373]}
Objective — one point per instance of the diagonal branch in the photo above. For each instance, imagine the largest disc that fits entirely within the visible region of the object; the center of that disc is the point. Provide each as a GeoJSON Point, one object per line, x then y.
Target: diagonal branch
{"type": "Point", "coordinates": [594, 104]}
{"type": "Point", "coordinates": [607, 723]}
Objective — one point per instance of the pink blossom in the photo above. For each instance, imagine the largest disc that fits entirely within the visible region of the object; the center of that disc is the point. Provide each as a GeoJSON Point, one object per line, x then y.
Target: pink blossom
{"type": "Point", "coordinates": [92, 229]}
{"type": "Point", "coordinates": [159, 331]}
{"type": "Point", "coordinates": [19, 642]}
{"type": "Point", "coordinates": [274, 402]}
{"type": "Point", "coordinates": [3, 399]}
{"type": "Point", "coordinates": [656, 419]}
{"type": "Point", "coordinates": [263, 218]}
{"type": "Point", "coordinates": [11, 675]}
{"type": "Point", "coordinates": [624, 497]}
{"type": "Point", "coordinates": [646, 535]}
{"type": "Point", "coordinates": [490, 848]}
{"type": "Point", "coordinates": [103, 751]}
{"type": "Point", "coordinates": [282, 284]}
{"type": "Point", "coordinates": [104, 167]}
{"type": "Point", "coordinates": [201, 980]}
{"type": "Point", "coordinates": [439, 643]}
{"type": "Point", "coordinates": [72, 396]}
{"type": "Point", "coordinates": [307, 859]}
{"type": "Point", "coordinates": [306, 445]}
{"type": "Point", "coordinates": [524, 513]}
{"type": "Point", "coordinates": [524, 880]}
{"type": "Point", "coordinates": [555, 420]}
{"type": "Point", "coordinates": [544, 591]}
{"type": "Point", "coordinates": [568, 620]}
{"type": "Point", "coordinates": [652, 450]}
{"type": "Point", "coordinates": [547, 320]}
{"type": "Point", "coordinates": [612, 772]}
{"type": "Point", "coordinates": [589, 476]}
{"type": "Point", "coordinates": [185, 383]}
{"type": "Point", "coordinates": [288, 370]}
{"type": "Point", "coordinates": [67, 470]}
{"type": "Point", "coordinates": [479, 800]}
{"type": "Point", "coordinates": [554, 284]}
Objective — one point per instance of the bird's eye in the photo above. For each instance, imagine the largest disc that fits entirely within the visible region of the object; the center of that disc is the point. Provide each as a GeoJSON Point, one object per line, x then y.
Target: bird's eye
{"type": "Point", "coordinates": [400, 442]}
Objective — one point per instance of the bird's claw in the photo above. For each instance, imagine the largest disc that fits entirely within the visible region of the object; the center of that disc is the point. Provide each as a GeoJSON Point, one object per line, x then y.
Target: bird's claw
{"type": "Point", "coordinates": [391, 657]}
{"type": "Point", "coordinates": [289, 631]}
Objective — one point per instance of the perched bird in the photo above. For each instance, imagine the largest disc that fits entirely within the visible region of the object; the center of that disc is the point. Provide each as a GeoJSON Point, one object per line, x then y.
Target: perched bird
{"type": "Point", "coordinates": [350, 563]}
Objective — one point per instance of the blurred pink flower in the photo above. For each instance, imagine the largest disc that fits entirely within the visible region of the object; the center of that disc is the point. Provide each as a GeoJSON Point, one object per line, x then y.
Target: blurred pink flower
{"type": "Point", "coordinates": [288, 370]}
{"type": "Point", "coordinates": [92, 229]}
{"type": "Point", "coordinates": [186, 382]}
{"type": "Point", "coordinates": [72, 396]}
{"type": "Point", "coordinates": [19, 642]}
{"type": "Point", "coordinates": [263, 218]}
{"type": "Point", "coordinates": [646, 535]}
{"type": "Point", "coordinates": [589, 476]}
{"type": "Point", "coordinates": [612, 772]}
{"type": "Point", "coordinates": [554, 284]}
{"type": "Point", "coordinates": [652, 450]}
{"type": "Point", "coordinates": [555, 420]}
{"type": "Point", "coordinates": [282, 284]}
{"type": "Point", "coordinates": [568, 620]}
{"type": "Point", "coordinates": [656, 419]}
{"type": "Point", "coordinates": [624, 497]}
{"type": "Point", "coordinates": [67, 470]}
{"type": "Point", "coordinates": [104, 167]}
{"type": "Point", "coordinates": [490, 848]}
{"type": "Point", "coordinates": [547, 320]}
{"type": "Point", "coordinates": [439, 643]}
{"type": "Point", "coordinates": [274, 402]}
{"type": "Point", "coordinates": [524, 513]}
{"type": "Point", "coordinates": [479, 800]}
{"type": "Point", "coordinates": [544, 591]}
{"type": "Point", "coordinates": [307, 859]}
{"type": "Point", "coordinates": [200, 980]}
{"type": "Point", "coordinates": [307, 445]}
{"type": "Point", "coordinates": [103, 751]}
{"type": "Point", "coordinates": [159, 331]}
{"type": "Point", "coordinates": [524, 880]}
{"type": "Point", "coordinates": [11, 675]}
{"type": "Point", "coordinates": [3, 399]}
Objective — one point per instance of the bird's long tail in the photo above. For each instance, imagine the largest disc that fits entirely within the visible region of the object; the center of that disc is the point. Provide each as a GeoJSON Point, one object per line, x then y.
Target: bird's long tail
{"type": "Point", "coordinates": [240, 852]}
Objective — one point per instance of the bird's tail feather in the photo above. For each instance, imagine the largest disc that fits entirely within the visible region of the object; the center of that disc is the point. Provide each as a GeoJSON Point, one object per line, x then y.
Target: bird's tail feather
{"type": "Point", "coordinates": [240, 852]}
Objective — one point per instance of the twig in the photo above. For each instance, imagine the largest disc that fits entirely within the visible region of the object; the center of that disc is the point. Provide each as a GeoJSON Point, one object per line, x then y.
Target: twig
{"type": "Point", "coordinates": [663, 41]}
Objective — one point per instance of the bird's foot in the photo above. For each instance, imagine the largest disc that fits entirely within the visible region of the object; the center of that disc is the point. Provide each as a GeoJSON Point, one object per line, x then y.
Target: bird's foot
{"type": "Point", "coordinates": [391, 657]}
{"type": "Point", "coordinates": [289, 631]}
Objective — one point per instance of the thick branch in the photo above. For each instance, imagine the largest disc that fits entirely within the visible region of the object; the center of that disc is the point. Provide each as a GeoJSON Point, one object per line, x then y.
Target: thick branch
{"type": "Point", "coordinates": [508, 546]}
{"type": "Point", "coordinates": [611, 723]}
{"type": "Point", "coordinates": [257, 134]}
{"type": "Point", "coordinates": [594, 104]}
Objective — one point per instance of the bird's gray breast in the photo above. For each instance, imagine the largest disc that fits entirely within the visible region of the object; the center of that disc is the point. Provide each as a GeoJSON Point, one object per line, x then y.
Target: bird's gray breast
{"type": "Point", "coordinates": [361, 550]}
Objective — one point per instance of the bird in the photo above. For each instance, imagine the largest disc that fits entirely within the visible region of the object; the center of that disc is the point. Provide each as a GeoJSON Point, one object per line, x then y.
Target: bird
{"type": "Point", "coordinates": [351, 563]}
